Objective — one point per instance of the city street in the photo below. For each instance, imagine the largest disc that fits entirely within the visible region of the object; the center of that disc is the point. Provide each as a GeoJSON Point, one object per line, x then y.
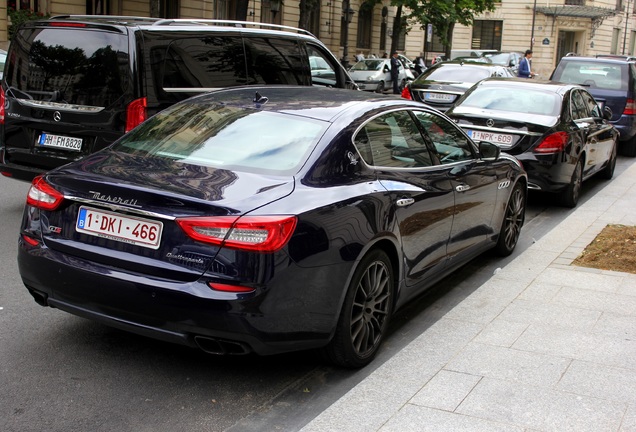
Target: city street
{"type": "Point", "coordinates": [59, 372]}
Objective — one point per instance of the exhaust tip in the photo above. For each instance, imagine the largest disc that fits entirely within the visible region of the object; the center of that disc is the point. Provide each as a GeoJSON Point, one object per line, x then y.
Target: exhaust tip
{"type": "Point", "coordinates": [40, 298]}
{"type": "Point", "coordinates": [220, 346]}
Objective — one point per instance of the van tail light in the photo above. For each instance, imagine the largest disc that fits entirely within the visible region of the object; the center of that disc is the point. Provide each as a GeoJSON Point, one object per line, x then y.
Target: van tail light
{"type": "Point", "coordinates": [630, 107]}
{"type": "Point", "coordinates": [406, 93]}
{"type": "Point", "coordinates": [67, 24]}
{"type": "Point", "coordinates": [1, 105]}
{"type": "Point", "coordinates": [43, 196]}
{"type": "Point", "coordinates": [247, 233]}
{"type": "Point", "coordinates": [136, 113]}
{"type": "Point", "coordinates": [553, 143]}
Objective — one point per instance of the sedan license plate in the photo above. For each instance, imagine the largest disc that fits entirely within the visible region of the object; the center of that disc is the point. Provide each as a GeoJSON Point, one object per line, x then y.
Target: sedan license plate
{"type": "Point", "coordinates": [113, 226]}
{"type": "Point", "coordinates": [439, 97]}
{"type": "Point", "coordinates": [59, 141]}
{"type": "Point", "coordinates": [495, 138]}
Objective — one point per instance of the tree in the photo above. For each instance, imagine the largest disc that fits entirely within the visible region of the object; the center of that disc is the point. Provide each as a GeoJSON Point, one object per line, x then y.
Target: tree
{"type": "Point", "coordinates": [444, 14]}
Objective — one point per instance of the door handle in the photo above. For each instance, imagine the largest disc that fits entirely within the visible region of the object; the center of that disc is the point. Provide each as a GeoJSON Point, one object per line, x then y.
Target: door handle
{"type": "Point", "coordinates": [462, 188]}
{"type": "Point", "coordinates": [403, 202]}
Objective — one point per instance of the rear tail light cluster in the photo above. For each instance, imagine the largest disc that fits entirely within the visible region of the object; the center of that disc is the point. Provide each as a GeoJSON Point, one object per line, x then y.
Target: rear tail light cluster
{"type": "Point", "coordinates": [630, 107]}
{"type": "Point", "coordinates": [248, 233]}
{"type": "Point", "coordinates": [136, 113]}
{"type": "Point", "coordinates": [43, 196]}
{"type": "Point", "coordinates": [406, 93]}
{"type": "Point", "coordinates": [1, 105]}
{"type": "Point", "coordinates": [553, 143]}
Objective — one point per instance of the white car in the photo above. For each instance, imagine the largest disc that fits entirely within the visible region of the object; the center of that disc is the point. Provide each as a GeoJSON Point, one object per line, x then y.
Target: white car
{"type": "Point", "coordinates": [375, 75]}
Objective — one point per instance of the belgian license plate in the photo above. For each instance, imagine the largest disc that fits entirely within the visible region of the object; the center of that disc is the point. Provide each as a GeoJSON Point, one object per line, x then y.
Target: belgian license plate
{"type": "Point", "coordinates": [495, 138]}
{"type": "Point", "coordinates": [59, 141]}
{"type": "Point", "coordinates": [439, 97]}
{"type": "Point", "coordinates": [114, 226]}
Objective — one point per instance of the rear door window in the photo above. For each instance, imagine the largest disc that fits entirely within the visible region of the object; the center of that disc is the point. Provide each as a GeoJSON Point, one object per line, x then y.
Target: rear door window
{"type": "Point", "coordinates": [272, 60]}
{"type": "Point", "coordinates": [74, 66]}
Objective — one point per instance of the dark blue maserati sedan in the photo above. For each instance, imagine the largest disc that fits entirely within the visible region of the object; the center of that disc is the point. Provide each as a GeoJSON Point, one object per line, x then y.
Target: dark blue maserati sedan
{"type": "Point", "coordinates": [269, 219]}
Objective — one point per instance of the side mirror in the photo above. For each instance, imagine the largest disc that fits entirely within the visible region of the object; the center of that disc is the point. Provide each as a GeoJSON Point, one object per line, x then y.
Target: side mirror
{"type": "Point", "coordinates": [607, 113]}
{"type": "Point", "coordinates": [386, 69]}
{"type": "Point", "coordinates": [489, 150]}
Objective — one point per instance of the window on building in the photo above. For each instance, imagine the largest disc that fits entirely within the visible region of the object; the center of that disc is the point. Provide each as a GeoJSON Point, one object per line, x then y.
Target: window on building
{"type": "Point", "coordinates": [24, 4]}
{"type": "Point", "coordinates": [616, 33]}
{"type": "Point", "coordinates": [365, 25]}
{"type": "Point", "coordinates": [267, 16]}
{"type": "Point", "coordinates": [168, 9]}
{"type": "Point", "coordinates": [97, 7]}
{"type": "Point", "coordinates": [619, 5]}
{"type": "Point", "coordinates": [486, 34]}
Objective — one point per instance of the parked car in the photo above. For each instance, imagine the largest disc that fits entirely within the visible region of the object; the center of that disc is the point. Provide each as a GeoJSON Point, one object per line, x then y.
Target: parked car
{"type": "Point", "coordinates": [441, 84]}
{"type": "Point", "coordinates": [509, 59]}
{"type": "Point", "coordinates": [74, 84]}
{"type": "Point", "coordinates": [375, 75]}
{"type": "Point", "coordinates": [3, 59]}
{"type": "Point", "coordinates": [558, 131]}
{"type": "Point", "coordinates": [269, 219]}
{"type": "Point", "coordinates": [612, 82]}
{"type": "Point", "coordinates": [456, 53]}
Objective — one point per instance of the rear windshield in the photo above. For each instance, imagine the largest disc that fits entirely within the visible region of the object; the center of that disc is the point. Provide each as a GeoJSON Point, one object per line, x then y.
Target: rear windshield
{"type": "Point", "coordinates": [594, 75]}
{"type": "Point", "coordinates": [456, 73]}
{"type": "Point", "coordinates": [368, 65]}
{"type": "Point", "coordinates": [74, 66]}
{"type": "Point", "coordinates": [216, 135]}
{"type": "Point", "coordinates": [511, 99]}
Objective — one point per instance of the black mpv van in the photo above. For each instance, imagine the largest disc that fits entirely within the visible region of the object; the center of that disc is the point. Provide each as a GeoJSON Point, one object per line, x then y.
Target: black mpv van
{"type": "Point", "coordinates": [74, 84]}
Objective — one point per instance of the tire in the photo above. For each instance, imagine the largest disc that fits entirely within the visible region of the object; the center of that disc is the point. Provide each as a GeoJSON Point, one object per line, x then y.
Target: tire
{"type": "Point", "coordinates": [365, 314]}
{"type": "Point", "coordinates": [628, 148]}
{"type": "Point", "coordinates": [380, 88]}
{"type": "Point", "coordinates": [570, 195]}
{"type": "Point", "coordinates": [608, 172]}
{"type": "Point", "coordinates": [512, 222]}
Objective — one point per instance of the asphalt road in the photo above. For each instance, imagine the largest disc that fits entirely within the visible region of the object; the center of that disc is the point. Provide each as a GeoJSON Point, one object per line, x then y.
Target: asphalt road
{"type": "Point", "coordinates": [59, 372]}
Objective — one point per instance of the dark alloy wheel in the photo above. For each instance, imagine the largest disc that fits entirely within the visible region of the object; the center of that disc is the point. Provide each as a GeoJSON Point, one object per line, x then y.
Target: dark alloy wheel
{"type": "Point", "coordinates": [365, 314]}
{"type": "Point", "coordinates": [570, 195]}
{"type": "Point", "coordinates": [512, 223]}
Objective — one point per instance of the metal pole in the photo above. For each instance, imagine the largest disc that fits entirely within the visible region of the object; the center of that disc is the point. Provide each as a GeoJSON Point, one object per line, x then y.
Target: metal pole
{"type": "Point", "coordinates": [345, 48]}
{"type": "Point", "coordinates": [625, 32]}
{"type": "Point", "coordinates": [534, 14]}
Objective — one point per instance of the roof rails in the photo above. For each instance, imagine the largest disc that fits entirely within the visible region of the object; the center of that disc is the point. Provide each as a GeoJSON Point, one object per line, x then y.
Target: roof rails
{"type": "Point", "coordinates": [117, 18]}
{"type": "Point", "coordinates": [246, 24]}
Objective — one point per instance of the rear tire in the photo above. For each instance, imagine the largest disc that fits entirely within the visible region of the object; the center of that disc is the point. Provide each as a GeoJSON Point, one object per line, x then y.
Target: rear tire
{"type": "Point", "coordinates": [628, 148]}
{"type": "Point", "coordinates": [365, 314]}
{"type": "Point", "coordinates": [512, 222]}
{"type": "Point", "coordinates": [570, 196]}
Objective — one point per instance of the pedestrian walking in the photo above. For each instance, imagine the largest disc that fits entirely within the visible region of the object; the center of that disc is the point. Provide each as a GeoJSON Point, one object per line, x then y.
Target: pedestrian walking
{"type": "Point", "coordinates": [524, 66]}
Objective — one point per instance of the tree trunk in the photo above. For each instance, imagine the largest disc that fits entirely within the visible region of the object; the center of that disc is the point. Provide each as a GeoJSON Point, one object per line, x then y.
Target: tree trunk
{"type": "Point", "coordinates": [449, 38]}
{"type": "Point", "coordinates": [154, 8]}
{"type": "Point", "coordinates": [397, 27]}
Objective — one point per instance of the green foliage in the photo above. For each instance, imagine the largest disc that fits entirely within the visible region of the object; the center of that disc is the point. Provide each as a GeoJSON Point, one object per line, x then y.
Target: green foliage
{"type": "Point", "coordinates": [20, 16]}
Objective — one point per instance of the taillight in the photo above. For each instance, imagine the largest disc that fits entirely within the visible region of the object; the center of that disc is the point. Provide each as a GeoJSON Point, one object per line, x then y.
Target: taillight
{"type": "Point", "coordinates": [249, 233]}
{"type": "Point", "coordinates": [553, 143]}
{"type": "Point", "coordinates": [1, 105]}
{"type": "Point", "coordinates": [630, 107]}
{"type": "Point", "coordinates": [136, 113]}
{"type": "Point", "coordinates": [43, 196]}
{"type": "Point", "coordinates": [406, 93]}
{"type": "Point", "coordinates": [238, 289]}
{"type": "Point", "coordinates": [67, 24]}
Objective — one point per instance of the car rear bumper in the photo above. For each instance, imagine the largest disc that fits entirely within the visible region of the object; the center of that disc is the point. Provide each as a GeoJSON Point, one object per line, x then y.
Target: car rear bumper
{"type": "Point", "coordinates": [18, 172]}
{"type": "Point", "coordinates": [546, 174]}
{"type": "Point", "coordinates": [282, 317]}
{"type": "Point", "coordinates": [626, 126]}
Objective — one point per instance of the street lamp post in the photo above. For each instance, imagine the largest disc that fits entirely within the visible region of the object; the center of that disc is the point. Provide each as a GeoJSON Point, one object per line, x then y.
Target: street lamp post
{"type": "Point", "coordinates": [347, 15]}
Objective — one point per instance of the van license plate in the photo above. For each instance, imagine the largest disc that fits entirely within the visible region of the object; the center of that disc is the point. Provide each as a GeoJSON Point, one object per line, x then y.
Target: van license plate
{"type": "Point", "coordinates": [59, 141]}
{"type": "Point", "coordinates": [114, 226]}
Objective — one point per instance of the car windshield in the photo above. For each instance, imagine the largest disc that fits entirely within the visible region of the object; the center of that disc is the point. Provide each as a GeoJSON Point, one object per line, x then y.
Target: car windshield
{"type": "Point", "coordinates": [500, 59]}
{"type": "Point", "coordinates": [530, 101]}
{"type": "Point", "coordinates": [458, 73]}
{"type": "Point", "coordinates": [368, 65]}
{"type": "Point", "coordinates": [594, 75]}
{"type": "Point", "coordinates": [213, 134]}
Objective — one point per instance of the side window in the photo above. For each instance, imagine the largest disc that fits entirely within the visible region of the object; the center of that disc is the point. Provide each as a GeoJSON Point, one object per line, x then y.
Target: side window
{"type": "Point", "coordinates": [393, 140]}
{"type": "Point", "coordinates": [449, 143]}
{"type": "Point", "coordinates": [593, 108]}
{"type": "Point", "coordinates": [275, 61]}
{"type": "Point", "coordinates": [323, 71]}
{"type": "Point", "coordinates": [577, 106]}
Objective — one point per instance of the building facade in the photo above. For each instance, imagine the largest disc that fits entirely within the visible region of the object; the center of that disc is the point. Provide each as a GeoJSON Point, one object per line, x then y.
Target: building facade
{"type": "Point", "coordinates": [552, 28]}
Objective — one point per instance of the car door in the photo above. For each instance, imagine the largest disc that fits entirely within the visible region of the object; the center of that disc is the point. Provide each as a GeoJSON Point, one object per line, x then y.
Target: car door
{"type": "Point", "coordinates": [419, 189]}
{"type": "Point", "coordinates": [595, 133]}
{"type": "Point", "coordinates": [475, 183]}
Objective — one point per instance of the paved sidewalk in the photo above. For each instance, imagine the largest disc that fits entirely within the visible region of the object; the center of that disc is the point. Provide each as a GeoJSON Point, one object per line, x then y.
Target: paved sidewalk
{"type": "Point", "coordinates": [541, 346]}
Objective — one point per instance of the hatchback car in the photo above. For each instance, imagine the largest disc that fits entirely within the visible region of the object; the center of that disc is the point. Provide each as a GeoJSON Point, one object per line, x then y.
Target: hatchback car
{"type": "Point", "coordinates": [442, 84]}
{"type": "Point", "coordinates": [612, 82]}
{"type": "Point", "coordinates": [557, 131]}
{"type": "Point", "coordinates": [375, 75]}
{"type": "Point", "coordinates": [74, 84]}
{"type": "Point", "coordinates": [269, 219]}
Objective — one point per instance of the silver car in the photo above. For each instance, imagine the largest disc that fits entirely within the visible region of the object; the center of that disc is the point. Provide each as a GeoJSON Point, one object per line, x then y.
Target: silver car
{"type": "Point", "coordinates": [375, 75]}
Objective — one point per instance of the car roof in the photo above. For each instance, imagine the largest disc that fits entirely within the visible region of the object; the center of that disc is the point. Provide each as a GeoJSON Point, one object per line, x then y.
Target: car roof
{"type": "Point", "coordinates": [607, 60]}
{"type": "Point", "coordinates": [319, 103]}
